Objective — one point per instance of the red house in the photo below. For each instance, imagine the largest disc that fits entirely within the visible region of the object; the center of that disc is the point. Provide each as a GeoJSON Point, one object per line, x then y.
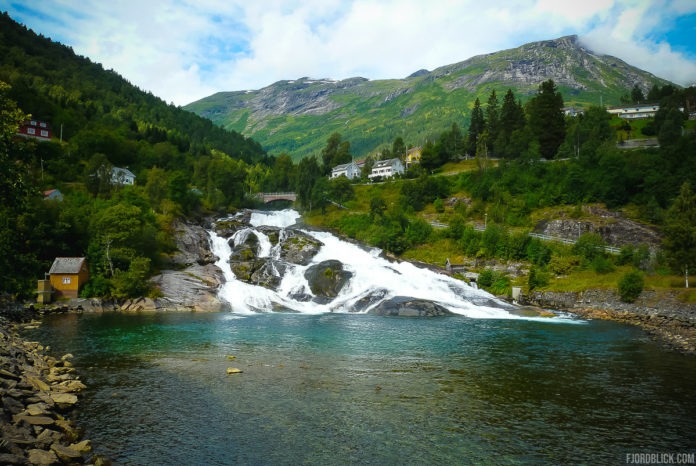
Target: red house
{"type": "Point", "coordinates": [35, 129]}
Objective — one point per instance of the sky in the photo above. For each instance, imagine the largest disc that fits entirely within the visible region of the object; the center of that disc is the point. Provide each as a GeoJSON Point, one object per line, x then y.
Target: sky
{"type": "Point", "coordinates": [184, 50]}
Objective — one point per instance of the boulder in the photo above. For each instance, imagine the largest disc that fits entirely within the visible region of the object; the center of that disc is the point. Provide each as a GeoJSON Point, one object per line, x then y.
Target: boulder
{"type": "Point", "coordinates": [403, 306]}
{"type": "Point", "coordinates": [64, 399]}
{"type": "Point", "coordinates": [327, 278]}
{"type": "Point", "coordinates": [66, 454]}
{"type": "Point", "coordinates": [299, 248]}
{"type": "Point", "coordinates": [42, 457]}
{"type": "Point", "coordinates": [84, 446]}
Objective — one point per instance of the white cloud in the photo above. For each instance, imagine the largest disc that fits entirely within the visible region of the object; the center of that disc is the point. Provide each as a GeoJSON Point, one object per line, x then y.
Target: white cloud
{"type": "Point", "coordinates": [183, 50]}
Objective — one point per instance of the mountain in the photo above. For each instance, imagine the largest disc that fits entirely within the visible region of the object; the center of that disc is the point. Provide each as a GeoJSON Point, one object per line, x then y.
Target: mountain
{"type": "Point", "coordinates": [298, 116]}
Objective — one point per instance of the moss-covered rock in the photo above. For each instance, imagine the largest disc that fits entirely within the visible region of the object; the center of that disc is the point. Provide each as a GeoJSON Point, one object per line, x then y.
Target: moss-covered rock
{"type": "Point", "coordinates": [327, 278]}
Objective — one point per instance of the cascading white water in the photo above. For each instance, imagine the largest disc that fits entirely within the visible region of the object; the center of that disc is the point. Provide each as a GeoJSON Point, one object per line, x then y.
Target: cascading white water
{"type": "Point", "coordinates": [370, 273]}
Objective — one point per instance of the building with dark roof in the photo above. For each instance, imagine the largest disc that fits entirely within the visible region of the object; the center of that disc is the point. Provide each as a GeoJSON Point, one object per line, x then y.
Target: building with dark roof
{"type": "Point", "coordinates": [68, 275]}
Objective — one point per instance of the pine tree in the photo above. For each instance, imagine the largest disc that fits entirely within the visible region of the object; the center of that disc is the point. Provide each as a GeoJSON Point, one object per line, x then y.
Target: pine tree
{"type": "Point", "coordinates": [492, 120]}
{"type": "Point", "coordinates": [476, 127]}
{"type": "Point", "coordinates": [546, 119]}
{"type": "Point", "coordinates": [680, 232]}
{"type": "Point", "coordinates": [511, 119]}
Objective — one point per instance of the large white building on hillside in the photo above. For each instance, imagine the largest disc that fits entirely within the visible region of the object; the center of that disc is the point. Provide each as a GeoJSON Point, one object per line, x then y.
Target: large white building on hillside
{"type": "Point", "coordinates": [386, 169]}
{"type": "Point", "coordinates": [349, 170]}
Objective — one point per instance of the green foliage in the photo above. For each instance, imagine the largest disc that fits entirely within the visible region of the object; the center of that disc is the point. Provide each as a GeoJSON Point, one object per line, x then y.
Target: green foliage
{"type": "Point", "coordinates": [537, 279]}
{"type": "Point", "coordinates": [341, 190]}
{"type": "Point", "coordinates": [546, 119]}
{"type": "Point", "coordinates": [133, 282]}
{"type": "Point", "coordinates": [631, 286]}
{"type": "Point", "coordinates": [602, 265]}
{"type": "Point", "coordinates": [589, 246]}
{"type": "Point", "coordinates": [680, 231]}
{"type": "Point", "coordinates": [563, 265]}
{"type": "Point", "coordinates": [495, 282]}
{"type": "Point", "coordinates": [439, 205]}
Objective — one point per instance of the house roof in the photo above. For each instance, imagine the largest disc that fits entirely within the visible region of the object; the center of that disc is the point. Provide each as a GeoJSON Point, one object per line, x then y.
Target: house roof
{"type": "Point", "coordinates": [385, 163]}
{"type": "Point", "coordinates": [67, 265]}
{"type": "Point", "coordinates": [116, 171]}
{"type": "Point", "coordinates": [343, 166]}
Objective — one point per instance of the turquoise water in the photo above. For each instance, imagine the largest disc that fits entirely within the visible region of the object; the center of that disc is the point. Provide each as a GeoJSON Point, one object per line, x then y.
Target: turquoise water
{"type": "Point", "coordinates": [360, 389]}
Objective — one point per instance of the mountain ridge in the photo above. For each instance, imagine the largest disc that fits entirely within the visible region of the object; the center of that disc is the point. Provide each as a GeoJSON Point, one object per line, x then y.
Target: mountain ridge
{"type": "Point", "coordinates": [297, 116]}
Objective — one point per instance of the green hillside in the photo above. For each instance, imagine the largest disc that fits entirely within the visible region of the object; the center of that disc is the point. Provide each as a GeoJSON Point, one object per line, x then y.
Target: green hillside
{"type": "Point", "coordinates": [298, 116]}
{"type": "Point", "coordinates": [183, 164]}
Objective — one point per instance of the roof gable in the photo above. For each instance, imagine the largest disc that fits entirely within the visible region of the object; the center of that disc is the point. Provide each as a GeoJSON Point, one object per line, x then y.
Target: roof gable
{"type": "Point", "coordinates": [67, 265]}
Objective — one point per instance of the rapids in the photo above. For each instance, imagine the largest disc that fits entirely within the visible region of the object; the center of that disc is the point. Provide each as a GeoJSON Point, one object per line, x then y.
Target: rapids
{"type": "Point", "coordinates": [374, 278]}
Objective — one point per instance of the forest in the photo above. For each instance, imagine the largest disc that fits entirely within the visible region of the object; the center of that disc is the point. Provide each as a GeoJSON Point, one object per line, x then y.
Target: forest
{"type": "Point", "coordinates": [523, 157]}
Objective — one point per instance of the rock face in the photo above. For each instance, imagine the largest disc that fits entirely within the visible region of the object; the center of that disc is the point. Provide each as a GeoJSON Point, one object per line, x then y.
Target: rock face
{"type": "Point", "coordinates": [409, 307]}
{"type": "Point", "coordinates": [193, 286]}
{"type": "Point", "coordinates": [327, 278]}
{"type": "Point", "coordinates": [37, 393]}
{"type": "Point", "coordinates": [611, 226]}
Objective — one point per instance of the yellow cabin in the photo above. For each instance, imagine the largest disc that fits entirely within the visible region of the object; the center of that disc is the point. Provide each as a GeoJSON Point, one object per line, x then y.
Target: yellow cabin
{"type": "Point", "coordinates": [67, 276]}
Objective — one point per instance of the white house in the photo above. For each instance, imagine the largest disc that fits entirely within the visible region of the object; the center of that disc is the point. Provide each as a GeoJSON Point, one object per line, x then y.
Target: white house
{"type": "Point", "coordinates": [122, 176]}
{"type": "Point", "coordinates": [349, 170]}
{"type": "Point", "coordinates": [386, 169]}
{"type": "Point", "coordinates": [635, 111]}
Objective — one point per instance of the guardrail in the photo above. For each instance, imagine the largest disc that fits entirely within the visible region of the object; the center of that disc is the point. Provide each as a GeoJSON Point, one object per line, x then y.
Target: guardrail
{"type": "Point", "coordinates": [477, 227]}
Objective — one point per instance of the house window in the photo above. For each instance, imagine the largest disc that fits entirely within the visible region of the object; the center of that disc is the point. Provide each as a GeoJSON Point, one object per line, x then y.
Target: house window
{"type": "Point", "coordinates": [31, 131]}
{"type": "Point", "coordinates": [44, 133]}
{"type": "Point", "coordinates": [42, 124]}
{"type": "Point", "coordinates": [66, 280]}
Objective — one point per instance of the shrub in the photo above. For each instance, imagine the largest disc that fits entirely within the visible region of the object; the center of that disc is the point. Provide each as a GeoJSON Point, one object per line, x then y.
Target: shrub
{"type": "Point", "coordinates": [439, 205]}
{"type": "Point", "coordinates": [602, 265]}
{"type": "Point", "coordinates": [589, 246]}
{"type": "Point", "coordinates": [537, 279]}
{"type": "Point", "coordinates": [563, 265]}
{"type": "Point", "coordinates": [631, 286]}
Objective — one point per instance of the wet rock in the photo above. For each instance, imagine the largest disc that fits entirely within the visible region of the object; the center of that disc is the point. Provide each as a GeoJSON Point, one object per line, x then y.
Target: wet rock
{"type": "Point", "coordinates": [64, 400]}
{"type": "Point", "coordinates": [409, 307]}
{"type": "Point", "coordinates": [367, 301]}
{"type": "Point", "coordinates": [33, 420]}
{"type": "Point", "coordinates": [299, 248]}
{"type": "Point", "coordinates": [66, 454]}
{"type": "Point", "coordinates": [84, 446]}
{"type": "Point", "coordinates": [327, 278]}
{"type": "Point", "coordinates": [42, 457]}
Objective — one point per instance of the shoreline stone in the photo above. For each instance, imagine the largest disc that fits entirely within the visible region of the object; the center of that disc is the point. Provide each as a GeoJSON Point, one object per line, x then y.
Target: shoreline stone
{"type": "Point", "coordinates": [661, 315]}
{"type": "Point", "coordinates": [33, 424]}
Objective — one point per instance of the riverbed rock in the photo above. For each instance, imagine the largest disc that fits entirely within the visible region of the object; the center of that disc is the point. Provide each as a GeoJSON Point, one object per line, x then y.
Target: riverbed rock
{"type": "Point", "coordinates": [299, 248]}
{"type": "Point", "coordinates": [403, 306]}
{"type": "Point", "coordinates": [327, 278]}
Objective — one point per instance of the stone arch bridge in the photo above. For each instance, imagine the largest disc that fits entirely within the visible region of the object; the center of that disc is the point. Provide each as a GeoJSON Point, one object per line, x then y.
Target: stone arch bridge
{"type": "Point", "coordinates": [270, 197]}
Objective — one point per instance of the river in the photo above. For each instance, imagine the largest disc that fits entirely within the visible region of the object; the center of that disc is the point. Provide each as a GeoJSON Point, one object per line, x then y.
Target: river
{"type": "Point", "coordinates": [326, 386]}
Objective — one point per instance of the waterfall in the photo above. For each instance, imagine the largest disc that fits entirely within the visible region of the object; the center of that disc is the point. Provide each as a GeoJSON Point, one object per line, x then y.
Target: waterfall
{"type": "Point", "coordinates": [374, 279]}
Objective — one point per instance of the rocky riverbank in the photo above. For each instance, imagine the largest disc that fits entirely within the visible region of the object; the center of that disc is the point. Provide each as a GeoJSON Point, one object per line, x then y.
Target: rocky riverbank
{"type": "Point", "coordinates": [38, 394]}
{"type": "Point", "coordinates": [661, 314]}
